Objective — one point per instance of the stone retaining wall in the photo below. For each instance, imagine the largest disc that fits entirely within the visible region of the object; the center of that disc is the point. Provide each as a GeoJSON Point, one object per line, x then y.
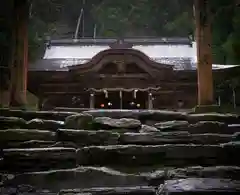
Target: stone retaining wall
{"type": "Point", "coordinates": [118, 152]}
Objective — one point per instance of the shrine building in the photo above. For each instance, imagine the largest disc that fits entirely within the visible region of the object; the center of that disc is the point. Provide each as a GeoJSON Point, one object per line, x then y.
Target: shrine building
{"type": "Point", "coordinates": [130, 73]}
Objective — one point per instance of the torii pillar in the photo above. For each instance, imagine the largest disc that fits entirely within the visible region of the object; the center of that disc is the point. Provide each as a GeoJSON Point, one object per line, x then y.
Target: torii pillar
{"type": "Point", "coordinates": [204, 53]}
{"type": "Point", "coordinates": [19, 61]}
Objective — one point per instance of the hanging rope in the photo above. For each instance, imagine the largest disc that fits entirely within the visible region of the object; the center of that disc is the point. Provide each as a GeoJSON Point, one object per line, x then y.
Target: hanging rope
{"type": "Point", "coordinates": [124, 89]}
{"type": "Point", "coordinates": [135, 94]}
{"type": "Point", "coordinates": [106, 93]}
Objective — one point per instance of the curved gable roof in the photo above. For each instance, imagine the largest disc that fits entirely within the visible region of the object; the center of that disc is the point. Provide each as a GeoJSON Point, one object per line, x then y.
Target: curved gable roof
{"type": "Point", "coordinates": [134, 52]}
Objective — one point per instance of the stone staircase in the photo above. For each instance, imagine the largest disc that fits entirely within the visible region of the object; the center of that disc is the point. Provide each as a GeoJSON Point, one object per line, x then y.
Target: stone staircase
{"type": "Point", "coordinates": [113, 152]}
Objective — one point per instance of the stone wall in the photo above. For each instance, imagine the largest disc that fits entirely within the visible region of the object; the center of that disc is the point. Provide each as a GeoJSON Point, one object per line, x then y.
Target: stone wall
{"type": "Point", "coordinates": [118, 152]}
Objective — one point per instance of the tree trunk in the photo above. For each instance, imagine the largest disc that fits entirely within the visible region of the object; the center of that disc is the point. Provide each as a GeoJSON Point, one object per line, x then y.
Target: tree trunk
{"type": "Point", "coordinates": [204, 52]}
{"type": "Point", "coordinates": [18, 83]}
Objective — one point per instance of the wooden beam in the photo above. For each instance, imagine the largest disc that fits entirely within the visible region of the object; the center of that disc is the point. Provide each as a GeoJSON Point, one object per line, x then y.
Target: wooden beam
{"type": "Point", "coordinates": [76, 84]}
{"type": "Point", "coordinates": [19, 63]}
{"type": "Point", "coordinates": [87, 93]}
{"type": "Point", "coordinates": [204, 52]}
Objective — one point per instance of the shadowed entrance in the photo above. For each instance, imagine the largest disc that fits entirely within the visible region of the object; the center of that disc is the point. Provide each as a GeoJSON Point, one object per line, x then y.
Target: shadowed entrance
{"type": "Point", "coordinates": [121, 100]}
{"type": "Point", "coordinates": [107, 100]}
{"type": "Point", "coordinates": [135, 100]}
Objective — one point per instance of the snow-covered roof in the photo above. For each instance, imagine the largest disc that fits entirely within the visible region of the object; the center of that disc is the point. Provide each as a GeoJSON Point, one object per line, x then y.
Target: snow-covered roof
{"type": "Point", "coordinates": [64, 64]}
{"type": "Point", "coordinates": [155, 52]}
{"type": "Point", "coordinates": [74, 52]}
{"type": "Point", "coordinates": [179, 53]}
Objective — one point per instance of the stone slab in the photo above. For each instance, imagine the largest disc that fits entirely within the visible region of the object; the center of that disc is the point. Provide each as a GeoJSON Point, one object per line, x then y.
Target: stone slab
{"type": "Point", "coordinates": [87, 137]}
{"type": "Point", "coordinates": [109, 123]}
{"type": "Point", "coordinates": [138, 190]}
{"type": "Point", "coordinates": [45, 124]}
{"type": "Point", "coordinates": [18, 135]}
{"type": "Point", "coordinates": [198, 186]}
{"type": "Point", "coordinates": [82, 177]}
{"type": "Point", "coordinates": [38, 159]}
{"type": "Point", "coordinates": [219, 117]}
{"type": "Point", "coordinates": [143, 115]}
{"type": "Point", "coordinates": [172, 125]}
{"type": "Point", "coordinates": [22, 190]}
{"type": "Point", "coordinates": [170, 154]}
{"type": "Point", "coordinates": [92, 177]}
{"type": "Point", "coordinates": [30, 144]}
{"type": "Point", "coordinates": [79, 121]}
{"type": "Point", "coordinates": [198, 127]}
{"type": "Point", "coordinates": [224, 172]}
{"type": "Point", "coordinates": [11, 122]}
{"type": "Point", "coordinates": [173, 138]}
{"type": "Point", "coordinates": [29, 115]}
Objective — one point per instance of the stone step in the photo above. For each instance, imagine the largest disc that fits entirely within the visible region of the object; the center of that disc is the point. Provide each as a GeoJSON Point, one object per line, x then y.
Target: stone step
{"type": "Point", "coordinates": [44, 124]}
{"type": "Point", "coordinates": [66, 181]}
{"type": "Point", "coordinates": [12, 122]}
{"type": "Point", "coordinates": [66, 109]}
{"type": "Point", "coordinates": [35, 144]}
{"type": "Point", "coordinates": [15, 122]}
{"type": "Point", "coordinates": [87, 137]}
{"type": "Point", "coordinates": [165, 115]}
{"type": "Point", "coordinates": [143, 115]}
{"type": "Point", "coordinates": [29, 115]}
{"type": "Point", "coordinates": [106, 137]}
{"type": "Point", "coordinates": [85, 121]}
{"type": "Point", "coordinates": [155, 115]}
{"type": "Point", "coordinates": [38, 159]}
{"type": "Point", "coordinates": [32, 138]}
{"type": "Point", "coordinates": [174, 138]}
{"type": "Point", "coordinates": [167, 155]}
{"type": "Point", "coordinates": [199, 186]}
{"type": "Point", "coordinates": [19, 190]}
{"type": "Point", "coordinates": [138, 190]}
{"type": "Point", "coordinates": [142, 190]}
{"type": "Point", "coordinates": [180, 155]}
{"type": "Point", "coordinates": [82, 177]}
{"type": "Point", "coordinates": [190, 186]}
{"type": "Point", "coordinates": [157, 176]}
{"type": "Point", "coordinates": [199, 127]}
{"type": "Point", "coordinates": [21, 135]}
{"type": "Point", "coordinates": [88, 177]}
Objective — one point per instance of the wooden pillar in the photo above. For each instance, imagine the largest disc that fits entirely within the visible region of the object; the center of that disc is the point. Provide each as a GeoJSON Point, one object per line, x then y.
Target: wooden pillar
{"type": "Point", "coordinates": [19, 64]}
{"type": "Point", "coordinates": [204, 52]}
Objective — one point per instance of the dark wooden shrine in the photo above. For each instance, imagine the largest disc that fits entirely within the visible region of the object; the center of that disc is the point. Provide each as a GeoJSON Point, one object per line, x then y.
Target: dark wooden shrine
{"type": "Point", "coordinates": [116, 74]}
{"type": "Point", "coordinates": [119, 77]}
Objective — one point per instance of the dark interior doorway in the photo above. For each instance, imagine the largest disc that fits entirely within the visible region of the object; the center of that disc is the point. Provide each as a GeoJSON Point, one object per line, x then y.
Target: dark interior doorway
{"type": "Point", "coordinates": [113, 100]}
{"type": "Point", "coordinates": [109, 101]}
{"type": "Point", "coordinates": [100, 101]}
{"type": "Point", "coordinates": [135, 100]}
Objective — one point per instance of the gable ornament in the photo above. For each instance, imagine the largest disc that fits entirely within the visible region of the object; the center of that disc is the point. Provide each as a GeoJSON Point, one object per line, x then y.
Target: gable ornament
{"type": "Point", "coordinates": [120, 65]}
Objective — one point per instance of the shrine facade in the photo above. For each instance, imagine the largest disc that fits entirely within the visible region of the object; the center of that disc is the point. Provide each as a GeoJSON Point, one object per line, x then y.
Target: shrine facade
{"type": "Point", "coordinates": [139, 73]}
